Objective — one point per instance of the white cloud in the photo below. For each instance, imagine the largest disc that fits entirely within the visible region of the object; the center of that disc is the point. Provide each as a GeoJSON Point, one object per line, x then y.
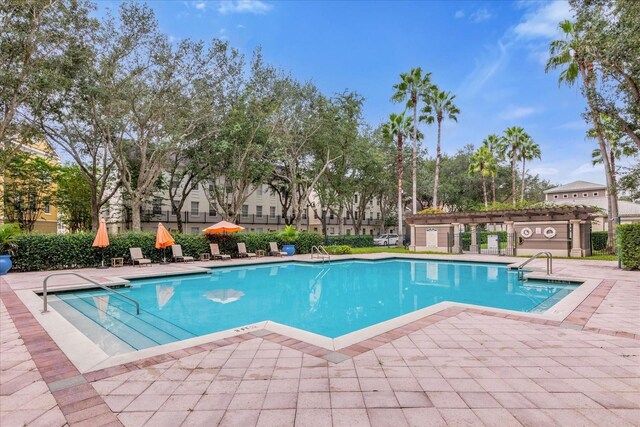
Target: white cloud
{"type": "Point", "coordinates": [459, 14]}
{"type": "Point", "coordinates": [244, 6]}
{"type": "Point", "coordinates": [587, 168]}
{"type": "Point", "coordinates": [513, 113]}
{"type": "Point", "coordinates": [542, 22]}
{"type": "Point", "coordinates": [480, 15]}
{"type": "Point", "coordinates": [200, 5]}
{"type": "Point", "coordinates": [485, 69]}
{"type": "Point", "coordinates": [544, 171]}
{"type": "Point", "coordinates": [240, 26]}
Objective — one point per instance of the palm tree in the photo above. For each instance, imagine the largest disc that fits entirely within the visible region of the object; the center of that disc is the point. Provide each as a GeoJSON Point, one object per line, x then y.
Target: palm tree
{"type": "Point", "coordinates": [509, 148]}
{"type": "Point", "coordinates": [481, 162]}
{"type": "Point", "coordinates": [529, 150]}
{"type": "Point", "coordinates": [439, 105]}
{"type": "Point", "coordinates": [571, 54]}
{"type": "Point", "coordinates": [413, 86]}
{"type": "Point", "coordinates": [398, 127]}
{"type": "Point", "coordinates": [492, 142]}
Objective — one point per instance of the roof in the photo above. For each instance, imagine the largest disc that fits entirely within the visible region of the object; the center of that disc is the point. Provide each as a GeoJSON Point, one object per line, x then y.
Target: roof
{"type": "Point", "coordinates": [576, 186]}
{"type": "Point", "coordinates": [625, 208]}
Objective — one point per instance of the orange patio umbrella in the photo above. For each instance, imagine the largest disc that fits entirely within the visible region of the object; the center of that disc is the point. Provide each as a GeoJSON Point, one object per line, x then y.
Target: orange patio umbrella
{"type": "Point", "coordinates": [222, 227]}
{"type": "Point", "coordinates": [102, 240]}
{"type": "Point", "coordinates": [163, 240]}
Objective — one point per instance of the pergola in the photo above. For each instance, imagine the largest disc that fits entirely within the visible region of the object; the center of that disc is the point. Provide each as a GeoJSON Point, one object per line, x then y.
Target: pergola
{"type": "Point", "coordinates": [562, 230]}
{"type": "Point", "coordinates": [556, 213]}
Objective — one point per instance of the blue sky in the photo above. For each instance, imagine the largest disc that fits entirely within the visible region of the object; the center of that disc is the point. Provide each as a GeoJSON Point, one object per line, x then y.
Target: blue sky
{"type": "Point", "coordinates": [490, 54]}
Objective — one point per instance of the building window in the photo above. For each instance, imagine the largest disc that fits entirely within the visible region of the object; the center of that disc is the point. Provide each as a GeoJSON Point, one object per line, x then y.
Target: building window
{"type": "Point", "coordinates": [595, 194]}
{"type": "Point", "coordinates": [333, 230]}
{"type": "Point", "coordinates": [211, 187]}
{"type": "Point", "coordinates": [355, 198]}
{"type": "Point", "coordinates": [259, 211]}
{"type": "Point", "coordinates": [47, 208]}
{"type": "Point", "coordinates": [330, 216]}
{"type": "Point", "coordinates": [315, 214]}
{"type": "Point", "coordinates": [575, 195]}
{"type": "Point", "coordinates": [555, 196]}
{"type": "Point", "coordinates": [212, 211]}
{"type": "Point", "coordinates": [157, 206]}
{"type": "Point", "coordinates": [195, 208]}
{"type": "Point", "coordinates": [272, 211]}
{"type": "Point", "coordinates": [259, 190]}
{"type": "Point", "coordinates": [348, 232]}
{"type": "Point", "coordinates": [355, 215]}
{"type": "Point", "coordinates": [175, 184]}
{"type": "Point", "coordinates": [195, 230]}
{"type": "Point", "coordinates": [228, 188]}
{"type": "Point", "coordinates": [245, 210]}
{"type": "Point", "coordinates": [585, 194]}
{"type": "Point", "coordinates": [565, 196]}
{"type": "Point", "coordinates": [378, 215]}
{"type": "Point", "coordinates": [304, 214]}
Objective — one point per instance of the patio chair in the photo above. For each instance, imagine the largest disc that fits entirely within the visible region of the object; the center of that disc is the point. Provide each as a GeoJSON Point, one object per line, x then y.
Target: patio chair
{"type": "Point", "coordinates": [215, 252]}
{"type": "Point", "coordinates": [242, 251]}
{"type": "Point", "coordinates": [274, 251]}
{"type": "Point", "coordinates": [138, 258]}
{"type": "Point", "coordinates": [176, 250]}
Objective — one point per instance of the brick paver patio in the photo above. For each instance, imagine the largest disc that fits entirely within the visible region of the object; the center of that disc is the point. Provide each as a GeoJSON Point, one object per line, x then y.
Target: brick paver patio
{"type": "Point", "coordinates": [458, 367]}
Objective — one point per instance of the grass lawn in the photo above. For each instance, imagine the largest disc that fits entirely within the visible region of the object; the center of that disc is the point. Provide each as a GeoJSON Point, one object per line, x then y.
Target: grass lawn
{"type": "Point", "coordinates": [394, 250]}
{"type": "Point", "coordinates": [391, 249]}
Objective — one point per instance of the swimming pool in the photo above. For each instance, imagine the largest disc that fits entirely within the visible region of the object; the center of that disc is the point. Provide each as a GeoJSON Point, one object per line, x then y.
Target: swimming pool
{"type": "Point", "coordinates": [326, 299]}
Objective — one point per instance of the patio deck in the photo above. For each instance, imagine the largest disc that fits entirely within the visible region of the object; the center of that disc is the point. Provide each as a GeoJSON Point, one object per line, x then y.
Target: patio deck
{"type": "Point", "coordinates": [460, 366]}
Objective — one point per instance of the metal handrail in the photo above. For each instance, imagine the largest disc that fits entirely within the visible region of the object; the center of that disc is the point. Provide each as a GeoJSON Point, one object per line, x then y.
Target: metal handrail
{"type": "Point", "coordinates": [321, 252]}
{"type": "Point", "coordinates": [46, 279]}
{"type": "Point", "coordinates": [547, 255]}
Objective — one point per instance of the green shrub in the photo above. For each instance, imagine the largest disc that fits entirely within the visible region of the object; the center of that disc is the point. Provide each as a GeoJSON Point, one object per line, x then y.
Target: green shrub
{"type": "Point", "coordinates": [355, 241]}
{"type": "Point", "coordinates": [599, 240]}
{"type": "Point", "coordinates": [482, 240]}
{"type": "Point", "coordinates": [338, 249]}
{"type": "Point", "coordinates": [36, 252]}
{"type": "Point", "coordinates": [629, 235]}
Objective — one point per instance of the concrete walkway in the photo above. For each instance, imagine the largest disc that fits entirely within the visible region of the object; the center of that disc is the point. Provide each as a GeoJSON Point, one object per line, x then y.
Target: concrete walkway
{"type": "Point", "coordinates": [457, 367]}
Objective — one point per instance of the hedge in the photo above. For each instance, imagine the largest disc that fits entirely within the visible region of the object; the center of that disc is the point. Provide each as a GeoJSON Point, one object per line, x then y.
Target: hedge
{"type": "Point", "coordinates": [36, 252]}
{"type": "Point", "coordinates": [599, 240]}
{"type": "Point", "coordinates": [629, 235]}
{"type": "Point", "coordinates": [338, 249]}
{"type": "Point", "coordinates": [355, 241]}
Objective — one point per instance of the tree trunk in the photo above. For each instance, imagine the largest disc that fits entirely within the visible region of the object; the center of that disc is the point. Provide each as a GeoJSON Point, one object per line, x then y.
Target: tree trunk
{"type": "Point", "coordinates": [612, 191]}
{"type": "Point", "coordinates": [400, 204]}
{"type": "Point", "coordinates": [414, 176]}
{"type": "Point", "coordinates": [493, 188]}
{"type": "Point", "coordinates": [523, 180]}
{"type": "Point", "coordinates": [436, 178]}
{"type": "Point", "coordinates": [135, 214]}
{"type": "Point", "coordinates": [95, 213]}
{"type": "Point", "coordinates": [513, 176]}
{"type": "Point", "coordinates": [484, 189]}
{"type": "Point", "coordinates": [340, 220]}
{"type": "Point", "coordinates": [178, 214]}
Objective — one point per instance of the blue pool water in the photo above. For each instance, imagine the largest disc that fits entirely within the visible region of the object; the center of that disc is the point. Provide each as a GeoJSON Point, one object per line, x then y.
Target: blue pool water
{"type": "Point", "coordinates": [327, 299]}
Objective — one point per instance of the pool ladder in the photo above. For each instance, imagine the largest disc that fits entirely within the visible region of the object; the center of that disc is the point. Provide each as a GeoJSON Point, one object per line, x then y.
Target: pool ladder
{"type": "Point", "coordinates": [46, 279]}
{"type": "Point", "coordinates": [320, 252]}
{"type": "Point", "coordinates": [546, 254]}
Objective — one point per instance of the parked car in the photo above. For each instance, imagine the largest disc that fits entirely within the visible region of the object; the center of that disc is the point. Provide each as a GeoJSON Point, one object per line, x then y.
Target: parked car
{"type": "Point", "coordinates": [386, 240]}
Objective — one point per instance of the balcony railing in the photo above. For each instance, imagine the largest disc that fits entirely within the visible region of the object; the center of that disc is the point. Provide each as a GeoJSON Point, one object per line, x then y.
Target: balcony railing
{"type": "Point", "coordinates": [207, 218]}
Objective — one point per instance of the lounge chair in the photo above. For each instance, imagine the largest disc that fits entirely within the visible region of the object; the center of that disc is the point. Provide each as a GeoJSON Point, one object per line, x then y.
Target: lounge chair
{"type": "Point", "coordinates": [215, 252]}
{"type": "Point", "coordinates": [274, 251]}
{"type": "Point", "coordinates": [176, 250]}
{"type": "Point", "coordinates": [138, 258]}
{"type": "Point", "coordinates": [242, 251]}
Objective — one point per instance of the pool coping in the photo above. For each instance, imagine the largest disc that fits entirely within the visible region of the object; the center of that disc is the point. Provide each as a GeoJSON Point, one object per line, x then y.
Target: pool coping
{"type": "Point", "coordinates": [88, 356]}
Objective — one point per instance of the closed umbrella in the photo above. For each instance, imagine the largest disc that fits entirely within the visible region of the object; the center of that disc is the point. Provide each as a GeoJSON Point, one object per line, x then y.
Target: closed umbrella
{"type": "Point", "coordinates": [224, 296]}
{"type": "Point", "coordinates": [163, 240]}
{"type": "Point", "coordinates": [101, 240]}
{"type": "Point", "coordinates": [222, 227]}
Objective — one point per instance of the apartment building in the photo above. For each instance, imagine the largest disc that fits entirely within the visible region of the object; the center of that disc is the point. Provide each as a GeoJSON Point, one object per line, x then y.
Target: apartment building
{"type": "Point", "coordinates": [261, 212]}
{"type": "Point", "coordinates": [591, 194]}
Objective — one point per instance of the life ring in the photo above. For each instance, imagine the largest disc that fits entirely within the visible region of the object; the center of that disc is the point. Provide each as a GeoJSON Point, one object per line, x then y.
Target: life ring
{"type": "Point", "coordinates": [526, 232]}
{"type": "Point", "coordinates": [549, 232]}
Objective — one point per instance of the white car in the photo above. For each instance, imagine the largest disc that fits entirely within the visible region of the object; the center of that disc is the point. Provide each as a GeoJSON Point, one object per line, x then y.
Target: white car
{"type": "Point", "coordinates": [386, 240]}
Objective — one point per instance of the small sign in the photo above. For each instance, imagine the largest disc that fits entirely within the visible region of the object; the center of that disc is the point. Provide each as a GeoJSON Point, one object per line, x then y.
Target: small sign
{"type": "Point", "coordinates": [492, 241]}
{"type": "Point", "coordinates": [432, 237]}
{"type": "Point", "coordinates": [538, 230]}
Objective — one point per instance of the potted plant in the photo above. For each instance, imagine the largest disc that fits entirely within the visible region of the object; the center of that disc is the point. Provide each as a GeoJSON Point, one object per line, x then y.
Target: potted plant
{"type": "Point", "coordinates": [8, 234]}
{"type": "Point", "coordinates": [289, 236]}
